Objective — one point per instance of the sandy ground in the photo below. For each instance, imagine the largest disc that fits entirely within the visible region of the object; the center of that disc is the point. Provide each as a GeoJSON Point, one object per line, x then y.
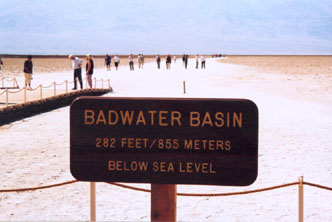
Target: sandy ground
{"type": "Point", "coordinates": [296, 72]}
{"type": "Point", "coordinates": [295, 65]}
{"type": "Point", "coordinates": [295, 125]}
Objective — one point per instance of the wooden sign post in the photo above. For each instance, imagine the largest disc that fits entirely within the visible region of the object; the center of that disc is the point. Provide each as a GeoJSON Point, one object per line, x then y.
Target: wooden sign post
{"type": "Point", "coordinates": [164, 141]}
{"type": "Point", "coordinates": [163, 202]}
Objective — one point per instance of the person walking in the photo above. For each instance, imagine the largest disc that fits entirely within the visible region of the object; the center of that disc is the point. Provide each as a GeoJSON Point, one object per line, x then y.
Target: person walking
{"type": "Point", "coordinates": [1, 63]}
{"type": "Point", "coordinates": [116, 61]}
{"type": "Point", "coordinates": [139, 60]}
{"type": "Point", "coordinates": [174, 58]}
{"type": "Point", "coordinates": [89, 69]}
{"type": "Point", "coordinates": [186, 61]}
{"type": "Point", "coordinates": [28, 70]}
{"type": "Point", "coordinates": [142, 60]}
{"type": "Point", "coordinates": [158, 60]}
{"type": "Point", "coordinates": [197, 61]}
{"type": "Point", "coordinates": [202, 62]}
{"type": "Point", "coordinates": [131, 62]}
{"type": "Point", "coordinates": [168, 61]}
{"type": "Point", "coordinates": [77, 67]}
{"type": "Point", "coordinates": [107, 62]}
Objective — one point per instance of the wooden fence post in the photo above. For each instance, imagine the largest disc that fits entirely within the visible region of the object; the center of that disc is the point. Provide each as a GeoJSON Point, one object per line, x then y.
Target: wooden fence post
{"type": "Point", "coordinates": [6, 97]}
{"type": "Point", "coordinates": [25, 94]}
{"type": "Point", "coordinates": [41, 91]}
{"type": "Point", "coordinates": [301, 199]}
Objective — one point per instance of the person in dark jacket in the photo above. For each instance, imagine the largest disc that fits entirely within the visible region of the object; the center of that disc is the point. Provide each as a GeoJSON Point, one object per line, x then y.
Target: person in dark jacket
{"type": "Point", "coordinates": [107, 62]}
{"type": "Point", "coordinates": [1, 63]}
{"type": "Point", "coordinates": [186, 61]}
{"type": "Point", "coordinates": [168, 61]}
{"type": "Point", "coordinates": [158, 61]}
{"type": "Point", "coordinates": [89, 69]}
{"type": "Point", "coordinates": [28, 67]}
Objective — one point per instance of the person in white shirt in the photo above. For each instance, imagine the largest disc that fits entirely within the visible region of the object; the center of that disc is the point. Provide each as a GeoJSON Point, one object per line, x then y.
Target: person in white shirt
{"type": "Point", "coordinates": [202, 62]}
{"type": "Point", "coordinates": [77, 67]}
{"type": "Point", "coordinates": [116, 61]}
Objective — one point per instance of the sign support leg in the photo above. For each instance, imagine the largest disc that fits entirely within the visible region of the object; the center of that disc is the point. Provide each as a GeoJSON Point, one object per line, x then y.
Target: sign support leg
{"type": "Point", "coordinates": [92, 201]}
{"type": "Point", "coordinates": [163, 202]}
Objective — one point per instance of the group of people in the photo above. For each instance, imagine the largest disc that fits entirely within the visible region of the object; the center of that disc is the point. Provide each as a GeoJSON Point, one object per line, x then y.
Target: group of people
{"type": "Point", "coordinates": [116, 58]}
{"type": "Point", "coordinates": [185, 58]}
{"type": "Point", "coordinates": [77, 67]}
{"type": "Point", "coordinates": [108, 61]}
{"type": "Point", "coordinates": [89, 68]}
{"type": "Point", "coordinates": [140, 60]}
{"type": "Point", "coordinates": [198, 58]}
{"type": "Point", "coordinates": [202, 58]}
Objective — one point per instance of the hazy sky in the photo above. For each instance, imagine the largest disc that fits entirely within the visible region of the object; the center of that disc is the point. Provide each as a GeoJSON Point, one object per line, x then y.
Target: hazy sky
{"type": "Point", "coordinates": [166, 26]}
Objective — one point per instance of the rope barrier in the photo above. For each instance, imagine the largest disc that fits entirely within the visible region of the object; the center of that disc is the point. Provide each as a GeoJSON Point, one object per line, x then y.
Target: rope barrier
{"type": "Point", "coordinates": [318, 186]}
{"type": "Point", "coordinates": [16, 91]}
{"type": "Point", "coordinates": [130, 187]}
{"type": "Point", "coordinates": [210, 195]}
{"type": "Point", "coordinates": [60, 83]}
{"type": "Point", "coordinates": [44, 87]}
{"type": "Point", "coordinates": [38, 188]}
{"type": "Point", "coordinates": [179, 194]}
{"type": "Point", "coordinates": [41, 87]}
{"type": "Point", "coordinates": [239, 193]}
{"type": "Point", "coordinates": [8, 78]}
{"type": "Point", "coordinates": [3, 92]}
{"type": "Point", "coordinates": [52, 84]}
{"type": "Point", "coordinates": [33, 89]}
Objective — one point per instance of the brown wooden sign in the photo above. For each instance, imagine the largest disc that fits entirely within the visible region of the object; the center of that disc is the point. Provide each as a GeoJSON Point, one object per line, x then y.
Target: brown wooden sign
{"type": "Point", "coordinates": [164, 140]}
